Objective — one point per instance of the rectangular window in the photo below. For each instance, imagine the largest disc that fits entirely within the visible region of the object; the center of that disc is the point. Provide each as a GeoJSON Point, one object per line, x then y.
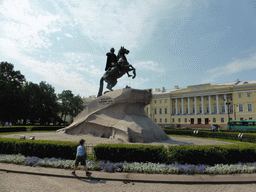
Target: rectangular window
{"type": "Point", "coordinates": [160, 111]}
{"type": "Point", "coordinates": [199, 98]}
{"type": "Point", "coordinates": [249, 107]}
{"type": "Point", "coordinates": [155, 101]}
{"type": "Point", "coordinates": [193, 99]}
{"type": "Point", "coordinates": [160, 120]}
{"type": "Point", "coordinates": [193, 109]}
{"type": "Point", "coordinates": [173, 120]}
{"type": "Point", "coordinates": [248, 94]}
{"type": "Point", "coordinates": [165, 120]}
{"type": "Point", "coordinates": [155, 111]}
{"type": "Point", "coordinates": [186, 110]}
{"type": "Point", "coordinates": [174, 110]}
{"type": "Point", "coordinates": [165, 101]}
{"type": "Point", "coordinates": [180, 110]}
{"type": "Point", "coordinates": [179, 120]}
{"type": "Point", "coordinates": [214, 98]}
{"type": "Point", "coordinates": [214, 120]}
{"type": "Point", "coordinates": [239, 95]}
{"type": "Point", "coordinates": [155, 121]}
{"type": "Point", "coordinates": [222, 109]}
{"type": "Point", "coordinates": [250, 118]}
{"type": "Point", "coordinates": [241, 118]}
{"type": "Point", "coordinates": [231, 108]}
{"type": "Point", "coordinates": [214, 109]}
{"type": "Point", "coordinates": [207, 98]}
{"type": "Point", "coordinates": [185, 120]}
{"type": "Point", "coordinates": [160, 101]}
{"type": "Point", "coordinates": [222, 120]}
{"type": "Point", "coordinates": [207, 109]}
{"type": "Point", "coordinates": [222, 97]}
{"type": "Point", "coordinates": [200, 109]}
{"type": "Point", "coordinates": [165, 110]}
{"type": "Point", "coordinates": [241, 107]}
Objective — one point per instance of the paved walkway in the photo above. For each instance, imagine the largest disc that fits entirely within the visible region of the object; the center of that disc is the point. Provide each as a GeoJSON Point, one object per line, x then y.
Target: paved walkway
{"type": "Point", "coordinates": [26, 178]}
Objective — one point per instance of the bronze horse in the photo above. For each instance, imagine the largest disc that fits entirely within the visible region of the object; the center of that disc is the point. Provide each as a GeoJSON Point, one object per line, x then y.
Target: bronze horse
{"type": "Point", "coordinates": [111, 76]}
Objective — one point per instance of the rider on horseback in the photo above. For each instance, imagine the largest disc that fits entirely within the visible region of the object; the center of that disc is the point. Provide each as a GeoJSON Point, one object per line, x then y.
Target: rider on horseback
{"type": "Point", "coordinates": [116, 67]}
{"type": "Point", "coordinates": [112, 64]}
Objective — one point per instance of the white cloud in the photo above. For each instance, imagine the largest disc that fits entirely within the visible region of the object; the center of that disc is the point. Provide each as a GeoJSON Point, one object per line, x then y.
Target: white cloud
{"type": "Point", "coordinates": [114, 23]}
{"type": "Point", "coordinates": [237, 65]}
{"type": "Point", "coordinates": [149, 65]}
{"type": "Point", "coordinates": [68, 35]}
{"type": "Point", "coordinates": [27, 25]}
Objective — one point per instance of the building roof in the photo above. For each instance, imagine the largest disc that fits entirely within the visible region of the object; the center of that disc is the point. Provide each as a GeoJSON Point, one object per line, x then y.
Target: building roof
{"type": "Point", "coordinates": [234, 83]}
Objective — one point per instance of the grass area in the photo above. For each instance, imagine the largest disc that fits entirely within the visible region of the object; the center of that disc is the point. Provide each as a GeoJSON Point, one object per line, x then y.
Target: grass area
{"type": "Point", "coordinates": [208, 138]}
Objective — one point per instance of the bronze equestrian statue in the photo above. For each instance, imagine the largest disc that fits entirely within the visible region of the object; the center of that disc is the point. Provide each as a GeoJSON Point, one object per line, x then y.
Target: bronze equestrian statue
{"type": "Point", "coordinates": [116, 67]}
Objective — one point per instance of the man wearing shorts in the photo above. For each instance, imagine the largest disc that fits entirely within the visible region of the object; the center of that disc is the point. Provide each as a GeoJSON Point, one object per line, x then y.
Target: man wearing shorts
{"type": "Point", "coordinates": [81, 157]}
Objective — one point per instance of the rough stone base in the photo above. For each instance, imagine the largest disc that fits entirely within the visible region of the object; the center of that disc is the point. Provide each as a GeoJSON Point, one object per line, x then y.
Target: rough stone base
{"type": "Point", "coordinates": [118, 114]}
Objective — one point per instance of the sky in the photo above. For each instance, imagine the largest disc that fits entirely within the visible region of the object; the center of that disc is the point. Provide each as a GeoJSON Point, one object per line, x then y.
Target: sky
{"type": "Point", "coordinates": [171, 42]}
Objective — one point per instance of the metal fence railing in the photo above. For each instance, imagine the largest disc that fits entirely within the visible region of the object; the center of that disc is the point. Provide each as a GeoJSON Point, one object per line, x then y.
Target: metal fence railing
{"type": "Point", "coordinates": [89, 149]}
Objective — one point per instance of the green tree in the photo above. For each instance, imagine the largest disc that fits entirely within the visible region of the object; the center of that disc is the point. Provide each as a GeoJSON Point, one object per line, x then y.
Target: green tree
{"type": "Point", "coordinates": [50, 107]}
{"type": "Point", "coordinates": [41, 103]}
{"type": "Point", "coordinates": [32, 102]}
{"type": "Point", "coordinates": [11, 83]}
{"type": "Point", "coordinates": [70, 105]}
{"type": "Point", "coordinates": [76, 106]}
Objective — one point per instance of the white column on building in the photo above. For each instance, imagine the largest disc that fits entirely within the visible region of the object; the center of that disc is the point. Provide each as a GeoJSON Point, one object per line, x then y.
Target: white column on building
{"type": "Point", "coordinates": [171, 105]}
{"type": "Point", "coordinates": [217, 99]}
{"type": "Point", "coordinates": [149, 110]}
{"type": "Point", "coordinates": [176, 106]}
{"type": "Point", "coordinates": [188, 105]}
{"type": "Point", "coordinates": [182, 106]}
{"type": "Point", "coordinates": [210, 105]}
{"type": "Point", "coordinates": [195, 105]}
{"type": "Point", "coordinates": [226, 106]}
{"type": "Point", "coordinates": [202, 102]}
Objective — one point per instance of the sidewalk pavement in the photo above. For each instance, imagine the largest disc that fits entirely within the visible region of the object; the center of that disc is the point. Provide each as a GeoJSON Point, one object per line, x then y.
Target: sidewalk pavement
{"type": "Point", "coordinates": [164, 182]}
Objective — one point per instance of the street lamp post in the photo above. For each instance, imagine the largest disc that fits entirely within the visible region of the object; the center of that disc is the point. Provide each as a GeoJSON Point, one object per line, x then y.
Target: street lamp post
{"type": "Point", "coordinates": [228, 104]}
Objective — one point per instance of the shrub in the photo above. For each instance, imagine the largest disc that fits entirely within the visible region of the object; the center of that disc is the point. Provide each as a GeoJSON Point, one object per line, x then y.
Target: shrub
{"type": "Point", "coordinates": [12, 129]}
{"type": "Point", "coordinates": [46, 128]}
{"type": "Point", "coordinates": [130, 153]}
{"type": "Point", "coordinates": [247, 137]}
{"type": "Point", "coordinates": [58, 149]}
{"type": "Point", "coordinates": [226, 154]}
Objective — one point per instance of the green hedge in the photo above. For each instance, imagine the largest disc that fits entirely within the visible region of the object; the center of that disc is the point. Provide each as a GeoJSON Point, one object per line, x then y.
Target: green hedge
{"type": "Point", "coordinates": [29, 128]}
{"type": "Point", "coordinates": [130, 153]}
{"type": "Point", "coordinates": [247, 137]}
{"type": "Point", "coordinates": [46, 128]}
{"type": "Point", "coordinates": [39, 148]}
{"type": "Point", "coordinates": [226, 154]}
{"type": "Point", "coordinates": [12, 129]}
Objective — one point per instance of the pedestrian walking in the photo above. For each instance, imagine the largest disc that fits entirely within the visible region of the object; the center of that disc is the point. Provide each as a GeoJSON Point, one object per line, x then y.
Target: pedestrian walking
{"type": "Point", "coordinates": [81, 157]}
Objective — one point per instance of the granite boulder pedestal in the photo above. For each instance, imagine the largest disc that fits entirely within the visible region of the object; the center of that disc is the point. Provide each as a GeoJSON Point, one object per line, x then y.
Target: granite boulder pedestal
{"type": "Point", "coordinates": [118, 114]}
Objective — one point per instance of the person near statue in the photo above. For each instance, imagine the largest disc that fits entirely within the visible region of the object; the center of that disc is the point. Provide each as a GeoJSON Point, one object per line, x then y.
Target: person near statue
{"type": "Point", "coordinates": [112, 64]}
{"type": "Point", "coordinates": [81, 158]}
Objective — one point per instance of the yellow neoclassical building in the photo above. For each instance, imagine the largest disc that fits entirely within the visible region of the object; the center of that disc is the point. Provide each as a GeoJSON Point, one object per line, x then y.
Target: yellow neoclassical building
{"type": "Point", "coordinates": [199, 106]}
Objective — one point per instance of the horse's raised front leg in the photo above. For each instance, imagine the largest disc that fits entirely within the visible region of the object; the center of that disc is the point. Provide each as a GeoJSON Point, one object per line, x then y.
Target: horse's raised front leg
{"type": "Point", "coordinates": [134, 73]}
{"type": "Point", "coordinates": [128, 74]}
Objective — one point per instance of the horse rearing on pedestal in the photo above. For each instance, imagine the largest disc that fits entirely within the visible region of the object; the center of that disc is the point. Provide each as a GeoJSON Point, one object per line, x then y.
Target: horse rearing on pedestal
{"type": "Point", "coordinates": [117, 71]}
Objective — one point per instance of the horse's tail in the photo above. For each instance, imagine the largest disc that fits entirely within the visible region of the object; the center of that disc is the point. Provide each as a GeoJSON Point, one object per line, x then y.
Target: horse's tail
{"type": "Point", "coordinates": [101, 87]}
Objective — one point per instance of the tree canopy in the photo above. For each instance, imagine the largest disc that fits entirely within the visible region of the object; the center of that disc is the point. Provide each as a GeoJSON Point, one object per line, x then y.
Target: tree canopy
{"type": "Point", "coordinates": [34, 102]}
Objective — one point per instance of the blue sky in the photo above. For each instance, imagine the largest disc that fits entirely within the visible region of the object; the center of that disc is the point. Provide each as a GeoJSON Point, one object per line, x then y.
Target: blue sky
{"type": "Point", "coordinates": [171, 42]}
